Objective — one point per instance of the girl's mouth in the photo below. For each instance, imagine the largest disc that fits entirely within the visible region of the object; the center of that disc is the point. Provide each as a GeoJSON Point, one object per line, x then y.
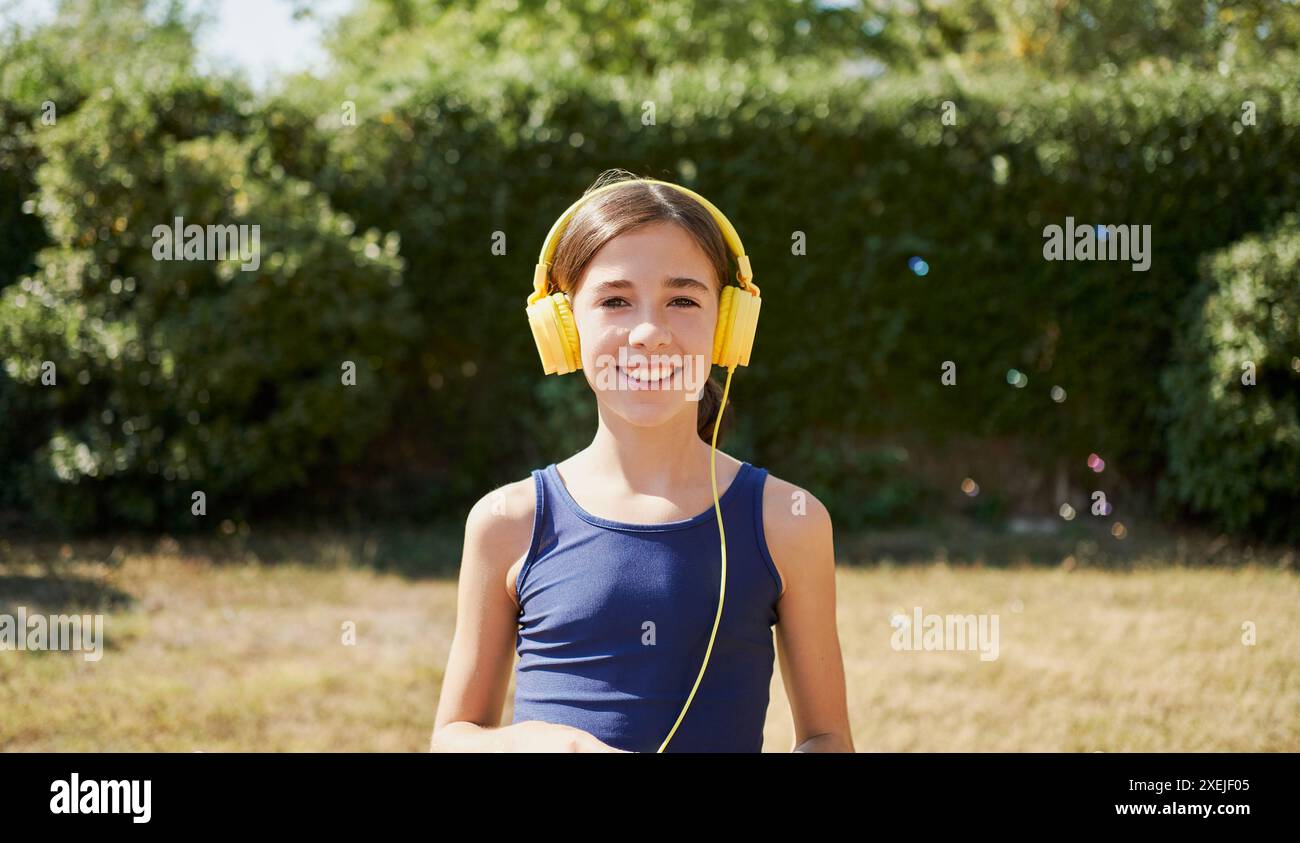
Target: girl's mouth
{"type": "Point", "coordinates": [647, 375]}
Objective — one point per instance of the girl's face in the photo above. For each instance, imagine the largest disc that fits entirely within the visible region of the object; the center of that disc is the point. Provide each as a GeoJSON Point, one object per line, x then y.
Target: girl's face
{"type": "Point", "coordinates": [645, 310]}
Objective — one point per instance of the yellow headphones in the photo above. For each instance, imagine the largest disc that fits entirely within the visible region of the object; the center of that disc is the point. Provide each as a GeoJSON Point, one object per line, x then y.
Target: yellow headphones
{"type": "Point", "coordinates": [550, 315]}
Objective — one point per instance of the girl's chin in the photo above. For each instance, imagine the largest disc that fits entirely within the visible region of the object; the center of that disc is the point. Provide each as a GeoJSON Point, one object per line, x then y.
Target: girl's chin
{"type": "Point", "coordinates": [651, 412]}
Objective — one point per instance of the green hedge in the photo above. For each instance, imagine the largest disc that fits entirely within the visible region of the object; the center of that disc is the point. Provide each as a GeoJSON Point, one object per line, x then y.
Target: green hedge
{"type": "Point", "coordinates": [1234, 446]}
{"type": "Point", "coordinates": [851, 341]}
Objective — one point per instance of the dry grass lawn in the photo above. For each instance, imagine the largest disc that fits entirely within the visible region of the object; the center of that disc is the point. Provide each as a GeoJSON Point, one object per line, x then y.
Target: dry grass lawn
{"type": "Point", "coordinates": [241, 651]}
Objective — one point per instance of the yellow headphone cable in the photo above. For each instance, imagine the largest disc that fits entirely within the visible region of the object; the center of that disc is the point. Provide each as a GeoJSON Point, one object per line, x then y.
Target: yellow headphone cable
{"type": "Point", "coordinates": [722, 589]}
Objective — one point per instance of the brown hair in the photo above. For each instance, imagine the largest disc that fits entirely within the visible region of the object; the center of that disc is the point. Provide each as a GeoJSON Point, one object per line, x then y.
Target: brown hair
{"type": "Point", "coordinates": [623, 209]}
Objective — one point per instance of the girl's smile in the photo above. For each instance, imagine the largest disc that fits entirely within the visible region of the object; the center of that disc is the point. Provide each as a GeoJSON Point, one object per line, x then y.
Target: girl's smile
{"type": "Point", "coordinates": [649, 377]}
{"type": "Point", "coordinates": [633, 371]}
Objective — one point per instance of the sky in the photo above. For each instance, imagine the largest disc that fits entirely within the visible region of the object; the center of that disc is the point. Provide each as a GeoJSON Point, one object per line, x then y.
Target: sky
{"type": "Point", "coordinates": [259, 36]}
{"type": "Point", "coordinates": [262, 38]}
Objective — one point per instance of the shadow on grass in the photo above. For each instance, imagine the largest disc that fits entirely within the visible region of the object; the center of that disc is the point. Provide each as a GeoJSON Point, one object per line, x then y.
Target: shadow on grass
{"type": "Point", "coordinates": [434, 551]}
{"type": "Point", "coordinates": [60, 594]}
{"type": "Point", "coordinates": [414, 552]}
{"type": "Point", "coordinates": [1049, 543]}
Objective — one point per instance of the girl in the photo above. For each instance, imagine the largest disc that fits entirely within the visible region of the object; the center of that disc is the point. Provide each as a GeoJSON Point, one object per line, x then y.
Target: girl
{"type": "Point", "coordinates": [602, 571]}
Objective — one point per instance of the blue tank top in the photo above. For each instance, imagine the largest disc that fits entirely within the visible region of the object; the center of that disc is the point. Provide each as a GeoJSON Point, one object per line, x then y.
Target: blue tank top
{"type": "Point", "coordinates": [615, 619]}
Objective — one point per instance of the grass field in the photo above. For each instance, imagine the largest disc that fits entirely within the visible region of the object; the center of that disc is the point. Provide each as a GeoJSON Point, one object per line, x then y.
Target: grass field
{"type": "Point", "coordinates": [236, 645]}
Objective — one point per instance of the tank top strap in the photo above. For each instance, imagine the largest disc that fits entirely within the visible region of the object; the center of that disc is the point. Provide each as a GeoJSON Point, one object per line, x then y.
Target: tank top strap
{"type": "Point", "coordinates": [754, 477]}
{"type": "Point", "coordinates": [737, 497]}
{"type": "Point", "coordinates": [553, 497]}
{"type": "Point", "coordinates": [758, 477]}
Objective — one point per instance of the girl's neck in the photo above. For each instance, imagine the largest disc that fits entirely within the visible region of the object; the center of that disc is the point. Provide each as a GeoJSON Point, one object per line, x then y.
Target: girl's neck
{"type": "Point", "coordinates": [649, 460]}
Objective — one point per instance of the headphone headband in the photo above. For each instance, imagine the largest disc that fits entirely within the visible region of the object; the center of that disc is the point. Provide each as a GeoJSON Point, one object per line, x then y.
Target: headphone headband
{"type": "Point", "coordinates": [541, 274]}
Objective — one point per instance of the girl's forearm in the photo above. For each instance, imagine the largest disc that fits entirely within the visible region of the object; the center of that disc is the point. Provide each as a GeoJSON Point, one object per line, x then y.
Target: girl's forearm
{"type": "Point", "coordinates": [463, 736]}
{"type": "Point", "coordinates": [828, 742]}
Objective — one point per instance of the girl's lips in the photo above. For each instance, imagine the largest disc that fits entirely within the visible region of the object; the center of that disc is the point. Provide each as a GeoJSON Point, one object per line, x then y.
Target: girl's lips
{"type": "Point", "coordinates": [645, 375]}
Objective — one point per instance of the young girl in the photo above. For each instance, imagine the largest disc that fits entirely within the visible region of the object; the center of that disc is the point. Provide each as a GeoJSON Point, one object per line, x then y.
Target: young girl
{"type": "Point", "coordinates": [602, 572]}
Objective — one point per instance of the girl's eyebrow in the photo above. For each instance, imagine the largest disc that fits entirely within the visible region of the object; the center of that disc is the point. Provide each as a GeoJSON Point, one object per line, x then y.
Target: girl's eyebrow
{"type": "Point", "coordinates": [675, 282]}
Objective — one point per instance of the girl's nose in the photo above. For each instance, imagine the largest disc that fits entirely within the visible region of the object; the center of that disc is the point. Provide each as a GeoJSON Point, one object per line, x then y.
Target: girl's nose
{"type": "Point", "coordinates": [649, 334]}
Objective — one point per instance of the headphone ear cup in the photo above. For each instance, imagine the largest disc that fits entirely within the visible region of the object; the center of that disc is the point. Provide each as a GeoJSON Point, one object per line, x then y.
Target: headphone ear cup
{"type": "Point", "coordinates": [556, 334]}
{"type": "Point", "coordinates": [733, 339]}
{"type": "Point", "coordinates": [572, 344]}
{"type": "Point", "coordinates": [722, 333]}
{"type": "Point", "coordinates": [746, 325]}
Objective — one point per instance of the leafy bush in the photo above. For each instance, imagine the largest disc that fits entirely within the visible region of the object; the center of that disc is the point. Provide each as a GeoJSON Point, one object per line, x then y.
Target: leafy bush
{"type": "Point", "coordinates": [1234, 447]}
{"type": "Point", "coordinates": [176, 376]}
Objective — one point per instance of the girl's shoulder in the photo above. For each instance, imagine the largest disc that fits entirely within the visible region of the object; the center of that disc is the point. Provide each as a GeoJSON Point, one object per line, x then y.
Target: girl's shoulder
{"type": "Point", "coordinates": [796, 527]}
{"type": "Point", "coordinates": [512, 503]}
{"type": "Point", "coordinates": [500, 524]}
{"type": "Point", "coordinates": [782, 498]}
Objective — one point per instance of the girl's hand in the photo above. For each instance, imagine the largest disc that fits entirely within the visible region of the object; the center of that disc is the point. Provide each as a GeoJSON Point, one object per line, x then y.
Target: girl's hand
{"type": "Point", "coordinates": [540, 736]}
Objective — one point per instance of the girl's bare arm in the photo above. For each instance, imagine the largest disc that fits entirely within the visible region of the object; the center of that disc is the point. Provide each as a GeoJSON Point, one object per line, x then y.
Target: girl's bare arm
{"type": "Point", "coordinates": [801, 543]}
{"type": "Point", "coordinates": [497, 532]}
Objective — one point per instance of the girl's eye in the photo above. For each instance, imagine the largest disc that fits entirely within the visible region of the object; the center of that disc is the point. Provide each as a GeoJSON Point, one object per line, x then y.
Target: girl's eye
{"type": "Point", "coordinates": [617, 303]}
